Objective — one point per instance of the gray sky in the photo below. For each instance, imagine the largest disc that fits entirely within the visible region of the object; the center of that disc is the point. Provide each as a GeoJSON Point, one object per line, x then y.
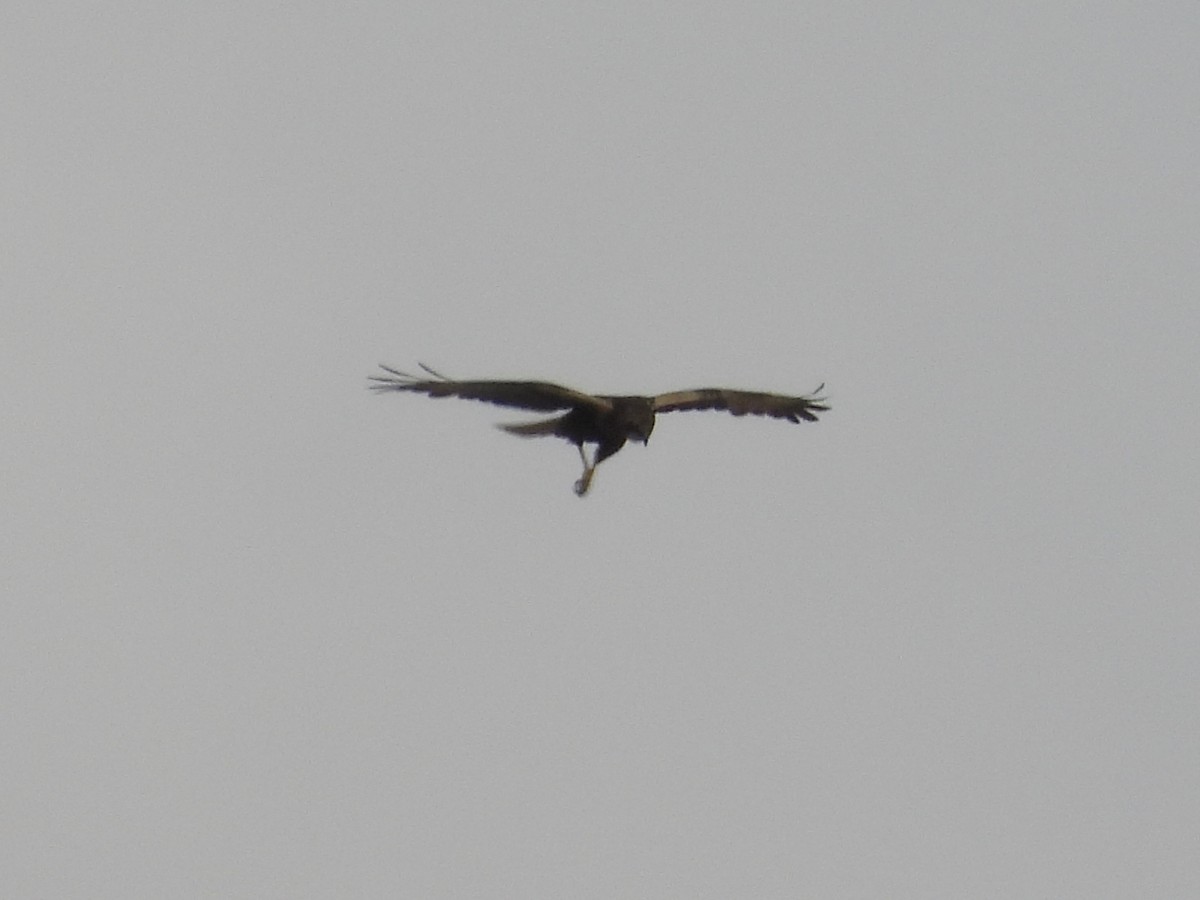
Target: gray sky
{"type": "Point", "coordinates": [268, 635]}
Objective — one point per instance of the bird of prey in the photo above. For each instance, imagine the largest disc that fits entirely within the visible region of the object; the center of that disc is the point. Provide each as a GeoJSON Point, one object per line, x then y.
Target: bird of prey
{"type": "Point", "coordinates": [606, 421]}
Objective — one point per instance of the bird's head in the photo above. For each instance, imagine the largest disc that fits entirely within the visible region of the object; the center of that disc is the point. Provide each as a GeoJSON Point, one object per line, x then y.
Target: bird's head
{"type": "Point", "coordinates": [640, 423]}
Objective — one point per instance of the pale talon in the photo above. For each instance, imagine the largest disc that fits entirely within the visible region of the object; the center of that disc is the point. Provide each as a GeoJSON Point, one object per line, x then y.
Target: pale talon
{"type": "Point", "coordinates": [582, 485]}
{"type": "Point", "coordinates": [585, 480]}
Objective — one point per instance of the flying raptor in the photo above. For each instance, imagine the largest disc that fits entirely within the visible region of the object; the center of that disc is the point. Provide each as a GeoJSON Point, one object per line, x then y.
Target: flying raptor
{"type": "Point", "coordinates": [606, 421]}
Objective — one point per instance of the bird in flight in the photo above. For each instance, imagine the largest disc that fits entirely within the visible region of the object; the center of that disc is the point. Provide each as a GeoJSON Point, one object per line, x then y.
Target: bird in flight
{"type": "Point", "coordinates": [606, 421]}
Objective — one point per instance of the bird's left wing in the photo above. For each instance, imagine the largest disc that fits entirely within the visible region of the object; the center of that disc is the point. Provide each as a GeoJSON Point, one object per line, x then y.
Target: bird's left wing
{"type": "Point", "coordinates": [541, 396]}
{"type": "Point", "coordinates": [741, 403]}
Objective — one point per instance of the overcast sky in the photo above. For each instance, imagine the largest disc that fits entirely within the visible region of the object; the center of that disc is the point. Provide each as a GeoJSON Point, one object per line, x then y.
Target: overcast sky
{"type": "Point", "coordinates": [268, 635]}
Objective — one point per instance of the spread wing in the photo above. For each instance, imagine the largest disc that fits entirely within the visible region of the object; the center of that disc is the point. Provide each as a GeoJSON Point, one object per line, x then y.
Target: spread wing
{"type": "Point", "coordinates": [536, 395]}
{"type": "Point", "coordinates": [740, 403]}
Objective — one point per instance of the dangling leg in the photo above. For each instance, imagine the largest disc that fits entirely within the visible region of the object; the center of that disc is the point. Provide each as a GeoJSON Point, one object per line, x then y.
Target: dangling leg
{"type": "Point", "coordinates": [604, 450]}
{"type": "Point", "coordinates": [585, 480]}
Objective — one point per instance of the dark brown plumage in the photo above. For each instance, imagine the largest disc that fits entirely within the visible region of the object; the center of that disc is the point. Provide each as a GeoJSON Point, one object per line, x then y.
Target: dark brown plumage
{"type": "Point", "coordinates": [608, 422]}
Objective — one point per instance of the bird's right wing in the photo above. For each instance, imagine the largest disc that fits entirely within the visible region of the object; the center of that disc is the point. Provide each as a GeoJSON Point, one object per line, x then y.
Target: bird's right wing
{"type": "Point", "coordinates": [541, 396]}
{"type": "Point", "coordinates": [755, 403]}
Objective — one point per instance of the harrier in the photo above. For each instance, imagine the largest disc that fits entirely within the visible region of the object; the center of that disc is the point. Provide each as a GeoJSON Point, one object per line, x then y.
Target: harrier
{"type": "Point", "coordinates": [608, 422]}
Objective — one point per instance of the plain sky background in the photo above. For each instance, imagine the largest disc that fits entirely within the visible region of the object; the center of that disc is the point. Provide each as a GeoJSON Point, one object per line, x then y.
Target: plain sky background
{"type": "Point", "coordinates": [268, 635]}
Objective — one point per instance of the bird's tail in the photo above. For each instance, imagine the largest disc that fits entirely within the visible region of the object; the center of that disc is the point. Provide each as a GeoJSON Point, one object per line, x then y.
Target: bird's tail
{"type": "Point", "coordinates": [532, 429]}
